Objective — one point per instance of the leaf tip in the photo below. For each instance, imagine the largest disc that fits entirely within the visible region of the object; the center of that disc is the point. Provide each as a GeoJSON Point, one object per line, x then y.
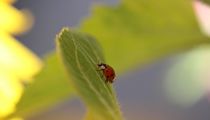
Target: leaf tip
{"type": "Point", "coordinates": [61, 33]}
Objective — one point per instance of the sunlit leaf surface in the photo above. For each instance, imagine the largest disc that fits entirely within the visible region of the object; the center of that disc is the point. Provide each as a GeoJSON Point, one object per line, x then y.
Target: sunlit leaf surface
{"type": "Point", "coordinates": [81, 54]}
{"type": "Point", "coordinates": [140, 31]}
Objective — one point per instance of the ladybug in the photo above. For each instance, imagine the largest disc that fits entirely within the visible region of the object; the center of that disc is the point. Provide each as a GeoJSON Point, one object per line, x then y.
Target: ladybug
{"type": "Point", "coordinates": [108, 72]}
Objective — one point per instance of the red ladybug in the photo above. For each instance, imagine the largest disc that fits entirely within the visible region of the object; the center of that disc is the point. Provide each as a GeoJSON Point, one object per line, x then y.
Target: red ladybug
{"type": "Point", "coordinates": [108, 72]}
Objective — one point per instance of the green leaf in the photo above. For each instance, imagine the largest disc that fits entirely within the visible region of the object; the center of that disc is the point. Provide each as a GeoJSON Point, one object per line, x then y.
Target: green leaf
{"type": "Point", "coordinates": [81, 54]}
{"type": "Point", "coordinates": [51, 86]}
{"type": "Point", "coordinates": [137, 32]}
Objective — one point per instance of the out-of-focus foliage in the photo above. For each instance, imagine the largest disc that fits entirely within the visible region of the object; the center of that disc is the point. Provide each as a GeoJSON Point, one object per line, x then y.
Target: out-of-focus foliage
{"type": "Point", "coordinates": [49, 87]}
{"type": "Point", "coordinates": [139, 31]}
{"type": "Point", "coordinates": [81, 54]}
{"type": "Point", "coordinates": [188, 80]}
{"type": "Point", "coordinates": [207, 1]}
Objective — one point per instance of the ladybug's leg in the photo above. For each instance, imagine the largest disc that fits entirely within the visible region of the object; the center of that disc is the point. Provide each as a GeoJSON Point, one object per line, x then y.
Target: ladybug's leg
{"type": "Point", "coordinates": [98, 69]}
{"type": "Point", "coordinates": [106, 81]}
{"type": "Point", "coordinates": [101, 74]}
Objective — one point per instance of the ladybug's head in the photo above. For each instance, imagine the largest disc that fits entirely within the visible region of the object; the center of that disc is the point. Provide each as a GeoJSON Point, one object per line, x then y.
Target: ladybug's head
{"type": "Point", "coordinates": [102, 66]}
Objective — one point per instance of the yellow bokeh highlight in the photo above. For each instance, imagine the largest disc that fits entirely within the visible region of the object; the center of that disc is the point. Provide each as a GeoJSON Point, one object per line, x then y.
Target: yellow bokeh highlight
{"type": "Point", "coordinates": [9, 1]}
{"type": "Point", "coordinates": [16, 58]}
{"type": "Point", "coordinates": [16, 119]}
{"type": "Point", "coordinates": [10, 92]}
{"type": "Point", "coordinates": [17, 64]}
{"type": "Point", "coordinates": [12, 20]}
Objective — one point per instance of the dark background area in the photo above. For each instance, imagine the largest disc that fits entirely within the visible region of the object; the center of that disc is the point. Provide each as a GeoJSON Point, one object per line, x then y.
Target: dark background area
{"type": "Point", "coordinates": [140, 91]}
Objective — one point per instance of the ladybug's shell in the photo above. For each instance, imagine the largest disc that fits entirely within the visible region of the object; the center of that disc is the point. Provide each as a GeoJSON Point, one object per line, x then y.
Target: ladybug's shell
{"type": "Point", "coordinates": [108, 72]}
